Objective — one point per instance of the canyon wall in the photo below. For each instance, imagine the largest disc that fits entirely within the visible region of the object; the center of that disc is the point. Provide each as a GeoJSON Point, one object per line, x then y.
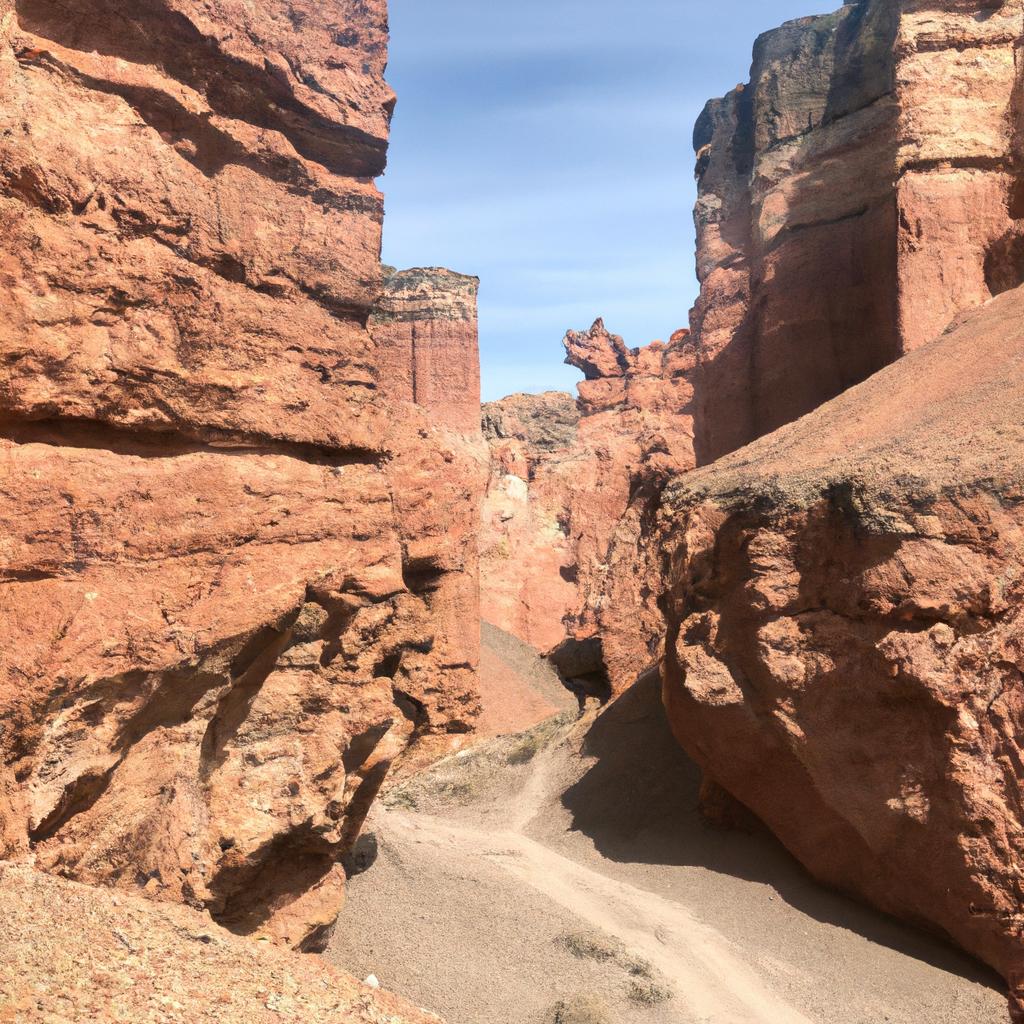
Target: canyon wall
{"type": "Point", "coordinates": [845, 634]}
{"type": "Point", "coordinates": [840, 631]}
{"type": "Point", "coordinates": [229, 602]}
{"type": "Point", "coordinates": [528, 566]}
{"type": "Point", "coordinates": [854, 197]}
{"type": "Point", "coordinates": [562, 476]}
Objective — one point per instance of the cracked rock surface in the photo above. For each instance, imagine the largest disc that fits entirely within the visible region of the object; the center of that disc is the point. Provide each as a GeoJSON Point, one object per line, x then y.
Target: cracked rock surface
{"type": "Point", "coordinates": [228, 603]}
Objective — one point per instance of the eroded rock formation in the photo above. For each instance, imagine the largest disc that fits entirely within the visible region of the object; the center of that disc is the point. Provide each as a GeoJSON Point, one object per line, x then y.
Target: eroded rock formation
{"type": "Point", "coordinates": [228, 600]}
{"type": "Point", "coordinates": [842, 598]}
{"type": "Point", "coordinates": [854, 197]}
{"type": "Point", "coordinates": [845, 647]}
{"type": "Point", "coordinates": [425, 325]}
{"type": "Point", "coordinates": [563, 474]}
{"type": "Point", "coordinates": [528, 566]}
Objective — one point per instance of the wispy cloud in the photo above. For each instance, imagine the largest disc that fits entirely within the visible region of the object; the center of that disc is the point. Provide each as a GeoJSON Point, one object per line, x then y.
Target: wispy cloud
{"type": "Point", "coordinates": [545, 146]}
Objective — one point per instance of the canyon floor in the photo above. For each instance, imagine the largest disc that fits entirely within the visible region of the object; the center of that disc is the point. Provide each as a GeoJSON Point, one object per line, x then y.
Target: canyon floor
{"type": "Point", "coordinates": [564, 875]}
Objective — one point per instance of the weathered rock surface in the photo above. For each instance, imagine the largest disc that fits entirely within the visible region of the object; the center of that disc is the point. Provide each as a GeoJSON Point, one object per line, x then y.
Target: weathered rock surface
{"type": "Point", "coordinates": [77, 953]}
{"type": "Point", "coordinates": [425, 325]}
{"type": "Point", "coordinates": [845, 633]}
{"type": "Point", "coordinates": [227, 597]}
{"type": "Point", "coordinates": [563, 474]}
{"type": "Point", "coordinates": [854, 197]}
{"type": "Point", "coordinates": [527, 563]}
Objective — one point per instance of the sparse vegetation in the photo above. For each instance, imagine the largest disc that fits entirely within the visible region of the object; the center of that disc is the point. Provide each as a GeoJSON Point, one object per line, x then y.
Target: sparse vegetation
{"type": "Point", "coordinates": [591, 946]}
{"type": "Point", "coordinates": [526, 750]}
{"type": "Point", "coordinates": [647, 992]}
{"type": "Point", "coordinates": [401, 798]}
{"type": "Point", "coordinates": [581, 1010]}
{"type": "Point", "coordinates": [645, 988]}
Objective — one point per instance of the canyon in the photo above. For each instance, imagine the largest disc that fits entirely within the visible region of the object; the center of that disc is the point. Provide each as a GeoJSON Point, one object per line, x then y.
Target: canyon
{"type": "Point", "coordinates": [228, 605]}
{"type": "Point", "coordinates": [252, 516]}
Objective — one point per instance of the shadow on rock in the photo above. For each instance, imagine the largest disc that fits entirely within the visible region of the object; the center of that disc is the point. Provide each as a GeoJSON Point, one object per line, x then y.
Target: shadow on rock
{"type": "Point", "coordinates": [638, 804]}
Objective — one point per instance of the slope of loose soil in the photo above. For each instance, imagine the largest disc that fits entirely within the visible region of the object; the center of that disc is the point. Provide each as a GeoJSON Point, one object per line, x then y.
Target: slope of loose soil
{"type": "Point", "coordinates": [517, 689]}
{"type": "Point", "coordinates": [77, 954]}
{"type": "Point", "coordinates": [570, 863]}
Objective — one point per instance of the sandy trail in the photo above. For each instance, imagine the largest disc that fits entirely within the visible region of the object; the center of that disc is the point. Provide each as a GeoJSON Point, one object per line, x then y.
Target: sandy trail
{"type": "Point", "coordinates": [492, 860]}
{"type": "Point", "coordinates": [704, 970]}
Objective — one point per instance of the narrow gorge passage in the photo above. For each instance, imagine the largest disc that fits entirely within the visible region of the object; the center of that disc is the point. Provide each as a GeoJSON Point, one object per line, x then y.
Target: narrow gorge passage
{"type": "Point", "coordinates": [541, 877]}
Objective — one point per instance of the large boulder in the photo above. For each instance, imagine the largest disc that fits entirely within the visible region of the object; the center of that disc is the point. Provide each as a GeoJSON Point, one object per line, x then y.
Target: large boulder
{"type": "Point", "coordinates": [844, 616]}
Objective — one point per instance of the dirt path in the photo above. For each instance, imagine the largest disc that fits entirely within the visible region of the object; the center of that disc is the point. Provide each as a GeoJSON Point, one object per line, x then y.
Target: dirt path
{"type": "Point", "coordinates": [564, 875]}
{"type": "Point", "coordinates": [702, 967]}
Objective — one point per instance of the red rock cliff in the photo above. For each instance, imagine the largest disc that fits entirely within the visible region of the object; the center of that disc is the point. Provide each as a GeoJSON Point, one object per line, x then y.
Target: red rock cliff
{"type": "Point", "coordinates": [854, 197]}
{"type": "Point", "coordinates": [842, 597]}
{"type": "Point", "coordinates": [224, 581]}
{"type": "Point", "coordinates": [845, 633]}
{"type": "Point", "coordinates": [563, 474]}
{"type": "Point", "coordinates": [425, 324]}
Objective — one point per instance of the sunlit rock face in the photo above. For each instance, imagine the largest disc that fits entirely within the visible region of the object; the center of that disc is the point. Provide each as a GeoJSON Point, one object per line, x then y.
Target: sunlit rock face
{"type": "Point", "coordinates": [528, 566]}
{"type": "Point", "coordinates": [425, 326]}
{"type": "Point", "coordinates": [228, 599]}
{"type": "Point", "coordinates": [854, 197]}
{"type": "Point", "coordinates": [844, 612]}
{"type": "Point", "coordinates": [562, 477]}
{"type": "Point", "coordinates": [838, 601]}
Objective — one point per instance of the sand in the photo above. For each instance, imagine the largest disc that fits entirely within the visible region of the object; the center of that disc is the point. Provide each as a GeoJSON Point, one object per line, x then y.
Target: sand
{"type": "Point", "coordinates": [564, 875]}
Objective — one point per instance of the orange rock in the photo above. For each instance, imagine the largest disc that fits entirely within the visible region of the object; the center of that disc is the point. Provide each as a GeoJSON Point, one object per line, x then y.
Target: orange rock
{"type": "Point", "coordinates": [853, 199]}
{"type": "Point", "coordinates": [562, 477]}
{"type": "Point", "coordinates": [845, 637]}
{"type": "Point", "coordinates": [228, 598]}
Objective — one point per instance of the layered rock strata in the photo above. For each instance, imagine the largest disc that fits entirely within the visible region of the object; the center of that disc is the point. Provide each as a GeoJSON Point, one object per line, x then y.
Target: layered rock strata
{"type": "Point", "coordinates": [225, 588]}
{"type": "Point", "coordinates": [562, 477]}
{"type": "Point", "coordinates": [425, 325]}
{"type": "Point", "coordinates": [845, 637]}
{"type": "Point", "coordinates": [854, 197]}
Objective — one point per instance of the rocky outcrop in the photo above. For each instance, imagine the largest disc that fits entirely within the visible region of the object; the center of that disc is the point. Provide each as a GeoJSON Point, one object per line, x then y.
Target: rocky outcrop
{"type": "Point", "coordinates": [228, 600]}
{"type": "Point", "coordinates": [425, 329]}
{"type": "Point", "coordinates": [425, 325]}
{"type": "Point", "coordinates": [854, 197]}
{"type": "Point", "coordinates": [528, 566]}
{"type": "Point", "coordinates": [845, 637]}
{"type": "Point", "coordinates": [562, 476]}
{"type": "Point", "coordinates": [77, 953]}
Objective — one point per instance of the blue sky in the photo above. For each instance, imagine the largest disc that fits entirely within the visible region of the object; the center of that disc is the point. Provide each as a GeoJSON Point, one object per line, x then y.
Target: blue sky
{"type": "Point", "coordinates": [544, 145]}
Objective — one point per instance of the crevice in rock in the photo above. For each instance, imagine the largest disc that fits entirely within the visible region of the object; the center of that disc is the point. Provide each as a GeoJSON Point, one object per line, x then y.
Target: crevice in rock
{"type": "Point", "coordinates": [249, 671]}
{"type": "Point", "coordinates": [77, 798]}
{"type": "Point", "coordinates": [422, 576]}
{"type": "Point", "coordinates": [167, 704]}
{"type": "Point", "coordinates": [74, 432]}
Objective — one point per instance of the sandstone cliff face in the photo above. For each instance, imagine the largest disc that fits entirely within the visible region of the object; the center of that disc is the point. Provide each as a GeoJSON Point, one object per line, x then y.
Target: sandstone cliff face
{"type": "Point", "coordinates": [562, 476]}
{"type": "Point", "coordinates": [425, 328]}
{"type": "Point", "coordinates": [425, 325]}
{"type": "Point", "coordinates": [854, 197]}
{"type": "Point", "coordinates": [528, 567]}
{"type": "Point", "coordinates": [844, 648]}
{"type": "Point", "coordinates": [842, 631]}
{"type": "Point", "coordinates": [225, 591]}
